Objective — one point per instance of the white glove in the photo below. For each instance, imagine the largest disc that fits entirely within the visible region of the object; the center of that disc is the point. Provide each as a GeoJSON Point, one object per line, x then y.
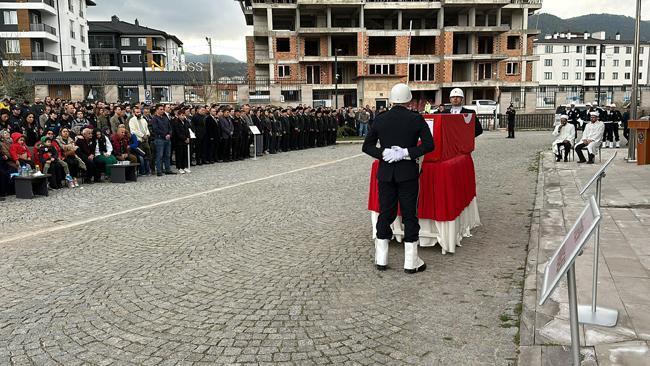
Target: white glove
{"type": "Point", "coordinates": [399, 154]}
{"type": "Point", "coordinates": [388, 155]}
{"type": "Point", "coordinates": [620, 124]}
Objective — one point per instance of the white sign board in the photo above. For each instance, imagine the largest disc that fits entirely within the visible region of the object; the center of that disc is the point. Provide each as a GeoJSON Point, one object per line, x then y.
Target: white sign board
{"type": "Point", "coordinates": [147, 96]}
{"type": "Point", "coordinates": [254, 130]}
{"type": "Point", "coordinates": [572, 245]}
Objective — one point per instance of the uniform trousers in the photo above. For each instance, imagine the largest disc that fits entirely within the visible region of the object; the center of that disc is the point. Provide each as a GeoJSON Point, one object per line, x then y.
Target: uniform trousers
{"type": "Point", "coordinates": [406, 194]}
{"type": "Point", "coordinates": [611, 132]}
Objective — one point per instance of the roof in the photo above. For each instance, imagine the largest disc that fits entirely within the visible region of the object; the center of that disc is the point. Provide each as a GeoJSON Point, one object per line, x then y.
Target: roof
{"type": "Point", "coordinates": [589, 41]}
{"type": "Point", "coordinates": [117, 77]}
{"type": "Point", "coordinates": [122, 27]}
{"type": "Point", "coordinates": [90, 3]}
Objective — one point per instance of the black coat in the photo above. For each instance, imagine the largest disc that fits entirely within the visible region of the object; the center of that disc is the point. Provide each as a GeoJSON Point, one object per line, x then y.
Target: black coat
{"type": "Point", "coordinates": [212, 127]}
{"type": "Point", "coordinates": [398, 127]}
{"type": "Point", "coordinates": [198, 126]}
{"type": "Point", "coordinates": [180, 131]}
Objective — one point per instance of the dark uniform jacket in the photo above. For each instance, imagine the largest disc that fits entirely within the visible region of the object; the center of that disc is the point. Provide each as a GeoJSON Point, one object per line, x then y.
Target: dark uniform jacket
{"type": "Point", "coordinates": [398, 127]}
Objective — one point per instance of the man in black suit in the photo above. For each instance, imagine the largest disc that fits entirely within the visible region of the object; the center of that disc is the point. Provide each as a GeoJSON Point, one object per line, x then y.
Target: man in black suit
{"type": "Point", "coordinates": [456, 98]}
{"type": "Point", "coordinates": [398, 132]}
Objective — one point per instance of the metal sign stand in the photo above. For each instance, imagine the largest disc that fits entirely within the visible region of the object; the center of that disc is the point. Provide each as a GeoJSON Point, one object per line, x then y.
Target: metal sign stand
{"type": "Point", "coordinates": [594, 314]}
{"type": "Point", "coordinates": [573, 315]}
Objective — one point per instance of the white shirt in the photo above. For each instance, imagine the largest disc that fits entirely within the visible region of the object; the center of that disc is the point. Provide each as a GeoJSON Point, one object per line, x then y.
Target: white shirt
{"type": "Point", "coordinates": [567, 133]}
{"type": "Point", "coordinates": [109, 147]}
{"type": "Point", "coordinates": [456, 110]}
{"type": "Point", "coordinates": [593, 131]}
{"type": "Point", "coordinates": [139, 127]}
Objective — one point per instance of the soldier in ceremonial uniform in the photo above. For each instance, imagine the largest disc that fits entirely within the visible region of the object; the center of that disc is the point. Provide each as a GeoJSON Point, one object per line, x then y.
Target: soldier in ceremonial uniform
{"type": "Point", "coordinates": [398, 132]}
{"type": "Point", "coordinates": [574, 117]}
{"type": "Point", "coordinates": [456, 98]}
{"type": "Point", "coordinates": [612, 120]}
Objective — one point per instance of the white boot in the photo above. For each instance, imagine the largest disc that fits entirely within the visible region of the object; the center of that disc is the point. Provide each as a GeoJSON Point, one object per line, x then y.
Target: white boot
{"type": "Point", "coordinates": [618, 144]}
{"type": "Point", "coordinates": [381, 254]}
{"type": "Point", "coordinates": [412, 262]}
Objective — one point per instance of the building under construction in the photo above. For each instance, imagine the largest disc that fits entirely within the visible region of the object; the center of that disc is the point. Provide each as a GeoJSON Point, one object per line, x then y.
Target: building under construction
{"type": "Point", "coordinates": [484, 47]}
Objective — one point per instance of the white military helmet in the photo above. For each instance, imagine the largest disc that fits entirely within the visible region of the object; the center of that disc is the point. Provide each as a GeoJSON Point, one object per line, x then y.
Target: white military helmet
{"type": "Point", "coordinates": [456, 92]}
{"type": "Point", "coordinates": [613, 105]}
{"type": "Point", "coordinates": [594, 114]}
{"type": "Point", "coordinates": [564, 116]}
{"type": "Point", "coordinates": [401, 93]}
{"type": "Point", "coordinates": [594, 104]}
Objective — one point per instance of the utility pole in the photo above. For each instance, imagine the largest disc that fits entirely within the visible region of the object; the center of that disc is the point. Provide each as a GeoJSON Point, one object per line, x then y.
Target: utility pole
{"type": "Point", "coordinates": [631, 144]}
{"type": "Point", "coordinates": [144, 69]}
{"type": "Point", "coordinates": [336, 78]}
{"type": "Point", "coordinates": [209, 40]}
{"type": "Point", "coordinates": [600, 67]}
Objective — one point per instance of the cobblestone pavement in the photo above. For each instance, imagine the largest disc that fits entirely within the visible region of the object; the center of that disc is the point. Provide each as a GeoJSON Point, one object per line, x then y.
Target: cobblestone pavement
{"type": "Point", "coordinates": [276, 271]}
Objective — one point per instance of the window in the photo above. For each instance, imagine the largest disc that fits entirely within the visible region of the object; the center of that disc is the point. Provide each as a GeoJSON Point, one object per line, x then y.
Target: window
{"type": "Point", "coordinates": [548, 49]}
{"type": "Point", "coordinates": [82, 33]}
{"type": "Point", "coordinates": [513, 43]}
{"type": "Point", "coordinates": [565, 62]}
{"type": "Point", "coordinates": [548, 75]}
{"type": "Point", "coordinates": [641, 50]}
{"type": "Point", "coordinates": [72, 33]}
{"type": "Point", "coordinates": [640, 75]}
{"type": "Point", "coordinates": [548, 62]}
{"type": "Point", "coordinates": [628, 50]}
{"type": "Point", "coordinates": [578, 49]}
{"type": "Point", "coordinates": [125, 42]}
{"type": "Point", "coordinates": [70, 6]}
{"type": "Point", "coordinates": [545, 98]}
{"type": "Point", "coordinates": [565, 49]}
{"type": "Point", "coordinates": [422, 72]}
{"type": "Point", "coordinates": [602, 75]}
{"type": "Point", "coordinates": [615, 63]}
{"type": "Point", "coordinates": [591, 50]}
{"type": "Point", "coordinates": [81, 8]}
{"type": "Point", "coordinates": [11, 17]}
{"type": "Point", "coordinates": [590, 63]}
{"type": "Point", "coordinates": [614, 76]}
{"type": "Point", "coordinates": [578, 62]}
{"type": "Point", "coordinates": [313, 74]}
{"type": "Point", "coordinates": [565, 76]}
{"type": "Point", "coordinates": [284, 71]}
{"type": "Point", "coordinates": [512, 68]}
{"type": "Point", "coordinates": [126, 59]}
{"type": "Point", "coordinates": [283, 45]}
{"type": "Point", "coordinates": [83, 58]}
{"type": "Point", "coordinates": [617, 49]}
{"type": "Point", "coordinates": [381, 69]}
{"type": "Point", "coordinates": [578, 76]}
{"type": "Point", "coordinates": [640, 63]}
{"type": "Point", "coordinates": [590, 76]}
{"type": "Point", "coordinates": [628, 63]}
{"type": "Point", "coordinates": [73, 52]}
{"type": "Point", "coordinates": [484, 71]}
{"type": "Point", "coordinates": [12, 46]}
{"type": "Point", "coordinates": [627, 76]}
{"type": "Point", "coordinates": [142, 42]}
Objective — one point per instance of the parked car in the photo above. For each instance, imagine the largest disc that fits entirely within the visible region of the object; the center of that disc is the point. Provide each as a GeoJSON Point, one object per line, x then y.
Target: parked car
{"type": "Point", "coordinates": [484, 106]}
{"type": "Point", "coordinates": [562, 110]}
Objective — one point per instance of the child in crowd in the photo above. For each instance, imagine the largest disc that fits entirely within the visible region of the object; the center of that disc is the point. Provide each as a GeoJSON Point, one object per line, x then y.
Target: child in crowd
{"type": "Point", "coordinates": [49, 155]}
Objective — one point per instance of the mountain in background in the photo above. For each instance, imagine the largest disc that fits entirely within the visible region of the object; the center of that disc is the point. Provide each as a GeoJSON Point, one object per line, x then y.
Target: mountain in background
{"type": "Point", "coordinates": [224, 65]}
{"type": "Point", "coordinates": [549, 24]}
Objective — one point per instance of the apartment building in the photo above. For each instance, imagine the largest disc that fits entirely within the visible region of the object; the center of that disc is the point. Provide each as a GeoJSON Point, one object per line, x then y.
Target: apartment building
{"type": "Point", "coordinates": [483, 47]}
{"type": "Point", "coordinates": [45, 35]}
{"type": "Point", "coordinates": [572, 65]}
{"type": "Point", "coordinates": [117, 45]}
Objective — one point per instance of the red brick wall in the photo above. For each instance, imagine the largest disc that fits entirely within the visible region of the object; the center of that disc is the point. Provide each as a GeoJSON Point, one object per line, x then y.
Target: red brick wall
{"type": "Point", "coordinates": [502, 72]}
{"type": "Point", "coordinates": [293, 50]}
{"type": "Point", "coordinates": [250, 56]}
{"type": "Point", "coordinates": [325, 72]}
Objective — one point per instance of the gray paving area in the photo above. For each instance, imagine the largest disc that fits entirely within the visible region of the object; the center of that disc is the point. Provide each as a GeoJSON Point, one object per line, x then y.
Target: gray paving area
{"type": "Point", "coordinates": [624, 265]}
{"type": "Point", "coordinates": [278, 270]}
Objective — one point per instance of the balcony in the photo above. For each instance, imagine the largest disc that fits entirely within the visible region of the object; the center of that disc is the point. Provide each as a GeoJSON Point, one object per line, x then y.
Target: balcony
{"type": "Point", "coordinates": [402, 4]}
{"type": "Point", "coordinates": [44, 56]}
{"type": "Point", "coordinates": [42, 5]}
{"type": "Point", "coordinates": [38, 27]}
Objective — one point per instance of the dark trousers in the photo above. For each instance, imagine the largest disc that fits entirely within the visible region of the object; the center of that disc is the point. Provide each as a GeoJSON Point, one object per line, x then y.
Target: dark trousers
{"type": "Point", "coordinates": [212, 149]}
{"type": "Point", "coordinates": [5, 181]}
{"type": "Point", "coordinates": [406, 194]}
{"type": "Point", "coordinates": [180, 150]}
{"type": "Point", "coordinates": [611, 132]}
{"type": "Point", "coordinates": [224, 149]}
{"type": "Point", "coordinates": [581, 155]}
{"type": "Point", "coordinates": [567, 148]}
{"type": "Point", "coordinates": [511, 129]}
{"type": "Point", "coordinates": [94, 168]}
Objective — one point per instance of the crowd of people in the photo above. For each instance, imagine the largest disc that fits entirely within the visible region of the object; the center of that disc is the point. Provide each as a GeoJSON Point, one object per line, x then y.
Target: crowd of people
{"type": "Point", "coordinates": [76, 142]}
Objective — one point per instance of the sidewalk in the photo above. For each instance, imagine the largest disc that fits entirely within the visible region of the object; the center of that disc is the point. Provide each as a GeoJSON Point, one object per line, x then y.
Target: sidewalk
{"type": "Point", "coordinates": [624, 265]}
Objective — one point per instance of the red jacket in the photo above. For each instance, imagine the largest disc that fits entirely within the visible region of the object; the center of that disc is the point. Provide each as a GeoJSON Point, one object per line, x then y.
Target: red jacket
{"type": "Point", "coordinates": [17, 149]}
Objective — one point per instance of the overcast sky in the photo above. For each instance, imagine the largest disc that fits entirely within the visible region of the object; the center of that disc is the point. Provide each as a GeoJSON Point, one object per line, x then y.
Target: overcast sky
{"type": "Point", "coordinates": [192, 20]}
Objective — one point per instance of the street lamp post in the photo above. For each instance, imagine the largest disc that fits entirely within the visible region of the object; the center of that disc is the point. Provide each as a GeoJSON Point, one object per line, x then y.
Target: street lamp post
{"type": "Point", "coordinates": [600, 68]}
{"type": "Point", "coordinates": [631, 144]}
{"type": "Point", "coordinates": [209, 40]}
{"type": "Point", "coordinates": [336, 78]}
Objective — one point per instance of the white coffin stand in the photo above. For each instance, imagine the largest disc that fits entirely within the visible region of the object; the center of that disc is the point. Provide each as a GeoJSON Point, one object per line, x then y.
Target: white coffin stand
{"type": "Point", "coordinates": [446, 233]}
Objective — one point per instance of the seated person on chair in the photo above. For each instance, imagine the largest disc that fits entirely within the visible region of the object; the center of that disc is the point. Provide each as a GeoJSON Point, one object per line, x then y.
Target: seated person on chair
{"type": "Point", "coordinates": [565, 133]}
{"type": "Point", "coordinates": [592, 136]}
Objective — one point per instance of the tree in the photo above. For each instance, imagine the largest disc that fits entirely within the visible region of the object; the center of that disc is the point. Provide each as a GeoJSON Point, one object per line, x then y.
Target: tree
{"type": "Point", "coordinates": [12, 80]}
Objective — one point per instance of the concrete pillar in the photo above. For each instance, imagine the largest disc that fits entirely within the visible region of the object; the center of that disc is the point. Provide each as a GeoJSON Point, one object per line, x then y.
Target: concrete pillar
{"type": "Point", "coordinates": [111, 93]}
{"type": "Point", "coordinates": [441, 18]}
{"type": "Point", "coordinates": [243, 94]}
{"type": "Point", "coordinates": [77, 92]}
{"type": "Point", "coordinates": [141, 93]}
{"type": "Point", "coordinates": [177, 93]}
{"type": "Point", "coordinates": [469, 95]}
{"type": "Point", "coordinates": [329, 46]}
{"type": "Point", "coordinates": [471, 17]}
{"type": "Point", "coordinates": [297, 19]}
{"type": "Point", "coordinates": [275, 92]}
{"type": "Point", "coordinates": [522, 70]}
{"type": "Point", "coordinates": [438, 98]}
{"type": "Point", "coordinates": [307, 94]}
{"type": "Point", "coordinates": [329, 17]}
{"type": "Point", "coordinates": [399, 19]}
{"type": "Point", "coordinates": [269, 18]}
{"type": "Point", "coordinates": [362, 20]}
{"type": "Point", "coordinates": [498, 17]}
{"type": "Point", "coordinates": [524, 19]}
{"type": "Point", "coordinates": [41, 91]}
